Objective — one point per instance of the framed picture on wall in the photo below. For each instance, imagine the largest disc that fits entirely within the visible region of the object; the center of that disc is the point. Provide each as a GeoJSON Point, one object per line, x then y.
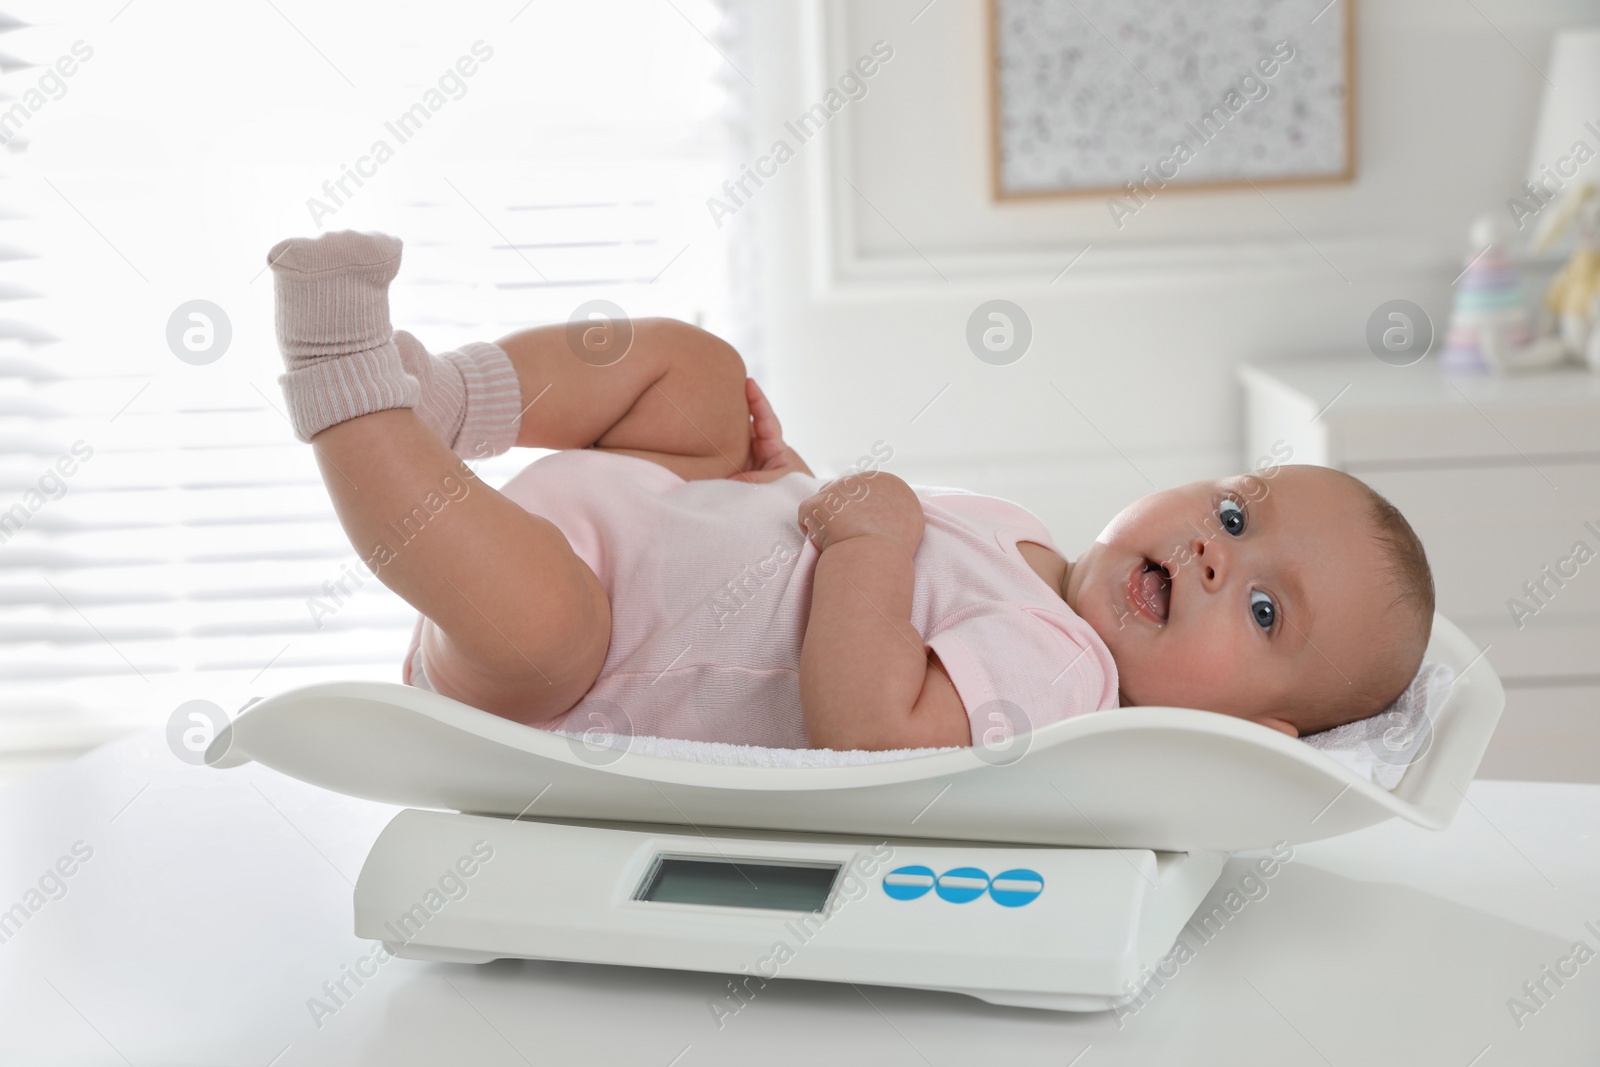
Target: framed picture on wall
{"type": "Point", "coordinates": [1118, 96]}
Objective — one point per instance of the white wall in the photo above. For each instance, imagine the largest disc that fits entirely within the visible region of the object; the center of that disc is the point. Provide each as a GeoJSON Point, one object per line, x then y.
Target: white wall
{"type": "Point", "coordinates": [867, 294]}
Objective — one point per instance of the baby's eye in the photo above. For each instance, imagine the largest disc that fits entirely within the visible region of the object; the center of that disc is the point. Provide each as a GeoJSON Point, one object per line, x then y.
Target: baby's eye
{"type": "Point", "coordinates": [1232, 516]}
{"type": "Point", "coordinates": [1263, 610]}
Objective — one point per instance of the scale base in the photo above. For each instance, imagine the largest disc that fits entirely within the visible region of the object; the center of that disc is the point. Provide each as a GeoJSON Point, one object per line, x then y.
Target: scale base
{"type": "Point", "coordinates": [1080, 934]}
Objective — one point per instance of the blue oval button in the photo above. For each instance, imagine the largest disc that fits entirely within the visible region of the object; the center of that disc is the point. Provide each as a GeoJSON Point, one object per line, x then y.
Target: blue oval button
{"type": "Point", "coordinates": [908, 883]}
{"type": "Point", "coordinates": [962, 884]}
{"type": "Point", "coordinates": [1017, 887]}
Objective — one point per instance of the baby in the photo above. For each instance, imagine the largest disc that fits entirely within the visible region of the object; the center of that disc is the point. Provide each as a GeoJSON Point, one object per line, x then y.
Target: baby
{"type": "Point", "coordinates": [677, 570]}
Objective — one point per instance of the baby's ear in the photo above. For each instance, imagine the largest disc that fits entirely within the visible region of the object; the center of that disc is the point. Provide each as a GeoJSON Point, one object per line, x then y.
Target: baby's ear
{"type": "Point", "coordinates": [1279, 724]}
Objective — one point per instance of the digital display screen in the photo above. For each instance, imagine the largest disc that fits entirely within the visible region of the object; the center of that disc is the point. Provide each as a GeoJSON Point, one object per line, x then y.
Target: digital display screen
{"type": "Point", "coordinates": [739, 883]}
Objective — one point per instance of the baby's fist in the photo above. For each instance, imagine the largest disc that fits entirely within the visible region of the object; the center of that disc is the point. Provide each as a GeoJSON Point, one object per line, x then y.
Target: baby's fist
{"type": "Point", "coordinates": [873, 502]}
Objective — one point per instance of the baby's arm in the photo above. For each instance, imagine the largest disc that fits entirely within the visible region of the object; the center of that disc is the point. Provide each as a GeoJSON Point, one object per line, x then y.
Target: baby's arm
{"type": "Point", "coordinates": [866, 678]}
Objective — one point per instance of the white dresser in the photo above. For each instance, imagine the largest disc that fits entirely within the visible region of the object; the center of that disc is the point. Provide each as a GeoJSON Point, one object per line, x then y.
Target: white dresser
{"type": "Point", "coordinates": [1500, 476]}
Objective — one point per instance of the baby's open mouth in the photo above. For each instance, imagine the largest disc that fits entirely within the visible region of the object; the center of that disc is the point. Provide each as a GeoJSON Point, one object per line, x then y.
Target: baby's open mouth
{"type": "Point", "coordinates": [1151, 589]}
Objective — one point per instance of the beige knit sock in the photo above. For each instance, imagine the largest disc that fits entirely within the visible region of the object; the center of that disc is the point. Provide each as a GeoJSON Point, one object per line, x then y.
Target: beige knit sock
{"type": "Point", "coordinates": [471, 397]}
{"type": "Point", "coordinates": [332, 320]}
{"type": "Point", "coordinates": [345, 360]}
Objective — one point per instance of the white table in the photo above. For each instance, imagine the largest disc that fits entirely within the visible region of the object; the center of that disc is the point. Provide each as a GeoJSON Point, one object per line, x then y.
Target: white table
{"type": "Point", "coordinates": [215, 904]}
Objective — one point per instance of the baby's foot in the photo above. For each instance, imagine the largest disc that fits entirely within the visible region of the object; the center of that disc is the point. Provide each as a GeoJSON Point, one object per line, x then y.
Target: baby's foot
{"type": "Point", "coordinates": [471, 397]}
{"type": "Point", "coordinates": [333, 294]}
{"type": "Point", "coordinates": [332, 321]}
{"type": "Point", "coordinates": [443, 406]}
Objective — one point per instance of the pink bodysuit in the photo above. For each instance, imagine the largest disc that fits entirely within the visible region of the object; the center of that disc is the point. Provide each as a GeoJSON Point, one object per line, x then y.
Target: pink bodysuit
{"type": "Point", "coordinates": [710, 587]}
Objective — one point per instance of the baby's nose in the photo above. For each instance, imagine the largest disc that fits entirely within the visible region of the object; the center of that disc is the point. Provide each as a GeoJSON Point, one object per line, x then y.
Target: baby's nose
{"type": "Point", "coordinates": [1210, 560]}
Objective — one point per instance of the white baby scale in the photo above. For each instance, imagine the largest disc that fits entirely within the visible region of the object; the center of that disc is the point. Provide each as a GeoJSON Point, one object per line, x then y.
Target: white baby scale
{"type": "Point", "coordinates": [1050, 881]}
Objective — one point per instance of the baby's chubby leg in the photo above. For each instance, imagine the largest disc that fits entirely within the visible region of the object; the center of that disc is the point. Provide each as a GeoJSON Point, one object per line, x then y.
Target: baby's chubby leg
{"type": "Point", "coordinates": [516, 623]}
{"type": "Point", "coordinates": [520, 623]}
{"type": "Point", "coordinates": [676, 398]}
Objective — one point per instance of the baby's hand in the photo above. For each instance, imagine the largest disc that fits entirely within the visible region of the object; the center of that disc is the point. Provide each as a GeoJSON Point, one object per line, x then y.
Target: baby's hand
{"type": "Point", "coordinates": [874, 502]}
{"type": "Point", "coordinates": [770, 457]}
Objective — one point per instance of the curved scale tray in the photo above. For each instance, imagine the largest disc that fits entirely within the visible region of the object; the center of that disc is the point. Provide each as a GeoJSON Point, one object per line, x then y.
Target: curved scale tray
{"type": "Point", "coordinates": [1147, 777]}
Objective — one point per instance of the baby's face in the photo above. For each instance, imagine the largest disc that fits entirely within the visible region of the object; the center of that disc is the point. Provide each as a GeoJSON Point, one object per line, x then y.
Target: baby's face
{"type": "Point", "coordinates": [1276, 589]}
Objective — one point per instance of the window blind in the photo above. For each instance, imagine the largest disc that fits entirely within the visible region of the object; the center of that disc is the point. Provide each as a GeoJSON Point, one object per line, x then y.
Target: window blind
{"type": "Point", "coordinates": [163, 537]}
